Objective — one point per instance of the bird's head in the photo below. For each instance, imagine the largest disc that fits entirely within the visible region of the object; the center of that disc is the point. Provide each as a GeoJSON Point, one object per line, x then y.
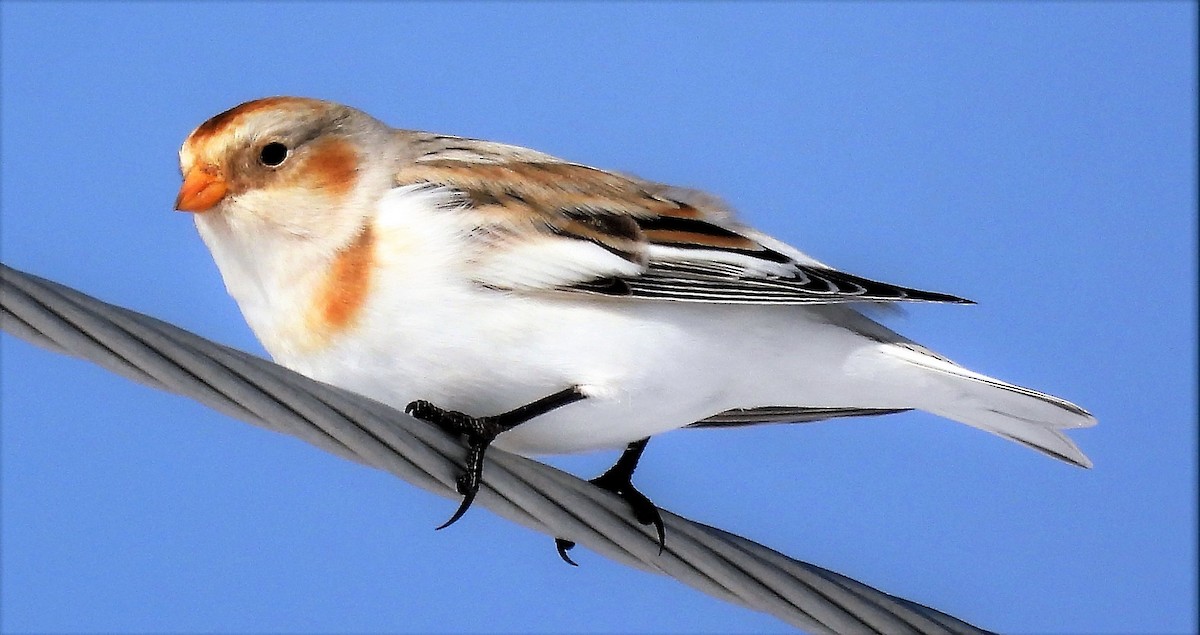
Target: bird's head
{"type": "Point", "coordinates": [283, 191]}
{"type": "Point", "coordinates": [303, 168]}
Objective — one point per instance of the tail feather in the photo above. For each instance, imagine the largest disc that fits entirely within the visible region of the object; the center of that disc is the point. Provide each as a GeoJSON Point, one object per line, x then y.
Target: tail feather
{"type": "Point", "coordinates": [1019, 414]}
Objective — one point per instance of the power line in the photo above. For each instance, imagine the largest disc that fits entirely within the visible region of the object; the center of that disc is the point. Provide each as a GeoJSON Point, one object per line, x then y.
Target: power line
{"type": "Point", "coordinates": [532, 494]}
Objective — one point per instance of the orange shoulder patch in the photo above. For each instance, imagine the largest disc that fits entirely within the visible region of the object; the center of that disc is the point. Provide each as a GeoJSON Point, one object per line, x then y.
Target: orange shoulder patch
{"type": "Point", "coordinates": [341, 295]}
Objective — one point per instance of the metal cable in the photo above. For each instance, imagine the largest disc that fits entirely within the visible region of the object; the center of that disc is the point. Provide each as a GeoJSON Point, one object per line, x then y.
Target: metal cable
{"type": "Point", "coordinates": [537, 496]}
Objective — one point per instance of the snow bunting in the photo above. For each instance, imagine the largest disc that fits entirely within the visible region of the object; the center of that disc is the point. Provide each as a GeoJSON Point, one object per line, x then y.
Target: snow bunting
{"type": "Point", "coordinates": [549, 306]}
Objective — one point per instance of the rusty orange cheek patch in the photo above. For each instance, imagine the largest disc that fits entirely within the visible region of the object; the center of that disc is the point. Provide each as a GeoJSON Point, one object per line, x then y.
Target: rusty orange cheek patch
{"type": "Point", "coordinates": [340, 297]}
{"type": "Point", "coordinates": [332, 166]}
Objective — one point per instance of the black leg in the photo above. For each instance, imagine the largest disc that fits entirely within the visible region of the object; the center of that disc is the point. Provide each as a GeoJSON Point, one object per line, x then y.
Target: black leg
{"type": "Point", "coordinates": [481, 431]}
{"type": "Point", "coordinates": [619, 480]}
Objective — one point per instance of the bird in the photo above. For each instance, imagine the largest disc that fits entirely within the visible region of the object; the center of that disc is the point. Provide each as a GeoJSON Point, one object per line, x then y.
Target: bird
{"type": "Point", "coordinates": [544, 306]}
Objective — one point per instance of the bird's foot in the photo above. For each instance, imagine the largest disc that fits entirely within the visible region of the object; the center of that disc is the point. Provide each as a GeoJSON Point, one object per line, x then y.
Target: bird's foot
{"type": "Point", "coordinates": [479, 431]}
{"type": "Point", "coordinates": [619, 480]}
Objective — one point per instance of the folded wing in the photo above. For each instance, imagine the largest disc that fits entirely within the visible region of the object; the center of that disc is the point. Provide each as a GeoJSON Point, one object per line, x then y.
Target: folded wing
{"type": "Point", "coordinates": [545, 225]}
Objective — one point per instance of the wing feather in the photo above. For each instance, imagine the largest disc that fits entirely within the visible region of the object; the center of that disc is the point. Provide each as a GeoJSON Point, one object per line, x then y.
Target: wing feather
{"type": "Point", "coordinates": [785, 414]}
{"type": "Point", "coordinates": [549, 225]}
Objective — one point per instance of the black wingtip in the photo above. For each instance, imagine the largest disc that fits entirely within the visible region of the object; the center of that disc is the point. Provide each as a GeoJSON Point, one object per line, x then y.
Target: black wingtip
{"type": "Point", "coordinates": [934, 296]}
{"type": "Point", "coordinates": [876, 291]}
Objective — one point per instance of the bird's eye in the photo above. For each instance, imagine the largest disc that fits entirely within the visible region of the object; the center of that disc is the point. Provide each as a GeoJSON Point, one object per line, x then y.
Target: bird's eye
{"type": "Point", "coordinates": [273, 154]}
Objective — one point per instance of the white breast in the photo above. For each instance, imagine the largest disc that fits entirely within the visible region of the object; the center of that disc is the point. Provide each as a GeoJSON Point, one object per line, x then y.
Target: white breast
{"type": "Point", "coordinates": [430, 332]}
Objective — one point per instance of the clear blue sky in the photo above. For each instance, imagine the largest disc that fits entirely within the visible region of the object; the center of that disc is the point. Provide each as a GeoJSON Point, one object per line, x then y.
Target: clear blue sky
{"type": "Point", "coordinates": [1037, 158]}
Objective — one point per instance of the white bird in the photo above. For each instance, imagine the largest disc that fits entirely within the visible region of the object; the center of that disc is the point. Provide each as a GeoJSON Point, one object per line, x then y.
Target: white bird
{"type": "Point", "coordinates": [546, 305]}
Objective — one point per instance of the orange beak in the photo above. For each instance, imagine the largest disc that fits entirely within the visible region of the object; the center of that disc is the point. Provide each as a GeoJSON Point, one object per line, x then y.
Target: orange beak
{"type": "Point", "coordinates": [203, 187]}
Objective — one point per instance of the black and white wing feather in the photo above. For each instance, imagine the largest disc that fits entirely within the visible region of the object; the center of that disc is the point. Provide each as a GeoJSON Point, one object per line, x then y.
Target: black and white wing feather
{"type": "Point", "coordinates": [545, 225]}
{"type": "Point", "coordinates": [785, 414]}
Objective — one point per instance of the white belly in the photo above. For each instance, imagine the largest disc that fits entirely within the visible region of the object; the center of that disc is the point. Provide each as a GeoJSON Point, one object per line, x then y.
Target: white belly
{"type": "Point", "coordinates": [427, 330]}
{"type": "Point", "coordinates": [646, 367]}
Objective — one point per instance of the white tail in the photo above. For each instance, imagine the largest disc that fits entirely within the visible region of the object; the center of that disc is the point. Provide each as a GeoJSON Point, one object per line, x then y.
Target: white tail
{"type": "Point", "coordinates": [1026, 416]}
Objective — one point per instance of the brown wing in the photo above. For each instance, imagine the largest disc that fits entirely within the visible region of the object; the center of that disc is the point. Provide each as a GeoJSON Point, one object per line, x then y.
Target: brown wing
{"type": "Point", "coordinates": [575, 201]}
{"type": "Point", "coordinates": [540, 213]}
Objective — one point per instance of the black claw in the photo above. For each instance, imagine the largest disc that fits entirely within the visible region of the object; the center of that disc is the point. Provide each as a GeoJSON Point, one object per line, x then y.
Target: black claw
{"type": "Point", "coordinates": [563, 545]}
{"type": "Point", "coordinates": [468, 498]}
{"type": "Point", "coordinates": [480, 432]}
{"type": "Point", "coordinates": [662, 531]}
{"type": "Point", "coordinates": [423, 410]}
{"type": "Point", "coordinates": [619, 480]}
{"type": "Point", "coordinates": [451, 421]}
{"type": "Point", "coordinates": [644, 511]}
{"type": "Point", "coordinates": [469, 481]}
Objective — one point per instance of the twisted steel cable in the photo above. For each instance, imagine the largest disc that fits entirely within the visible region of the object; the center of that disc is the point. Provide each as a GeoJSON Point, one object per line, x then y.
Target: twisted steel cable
{"type": "Point", "coordinates": [537, 496]}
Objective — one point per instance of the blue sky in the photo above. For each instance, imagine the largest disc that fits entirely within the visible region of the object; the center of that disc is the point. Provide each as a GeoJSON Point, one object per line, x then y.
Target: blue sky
{"type": "Point", "coordinates": [1037, 158]}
